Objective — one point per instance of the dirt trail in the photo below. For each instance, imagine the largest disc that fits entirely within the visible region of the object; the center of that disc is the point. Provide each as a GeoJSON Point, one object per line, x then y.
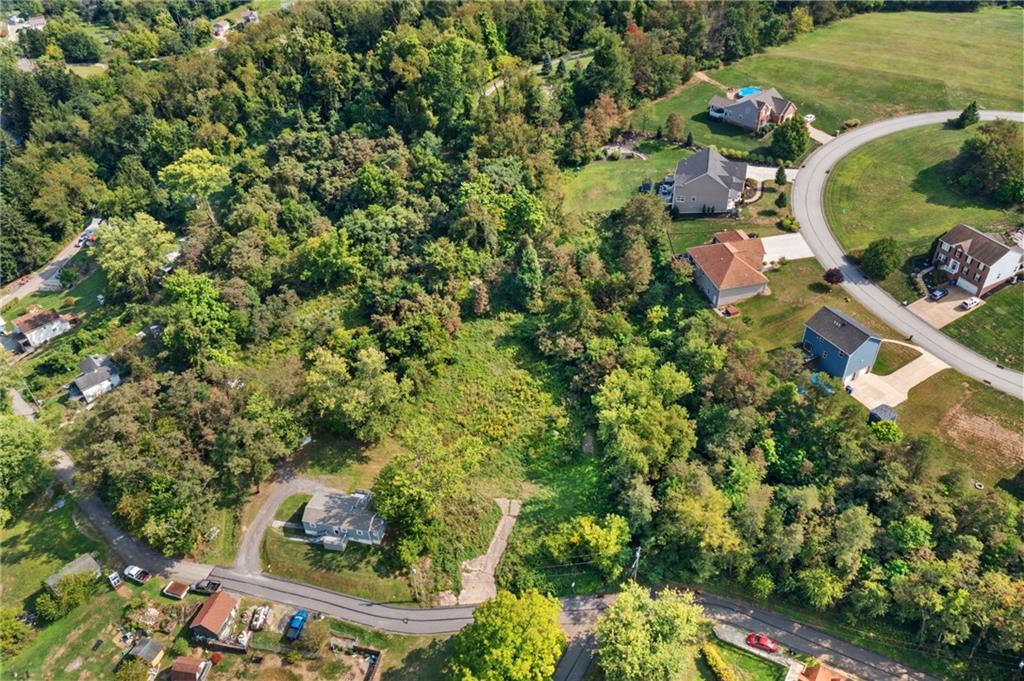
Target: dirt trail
{"type": "Point", "coordinates": [478, 573]}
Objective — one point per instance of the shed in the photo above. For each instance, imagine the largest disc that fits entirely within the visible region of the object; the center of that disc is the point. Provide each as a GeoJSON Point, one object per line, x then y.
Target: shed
{"type": "Point", "coordinates": [882, 412]}
{"type": "Point", "coordinates": [175, 590]}
{"type": "Point", "coordinates": [190, 669]}
{"type": "Point", "coordinates": [85, 563]}
{"type": "Point", "coordinates": [147, 650]}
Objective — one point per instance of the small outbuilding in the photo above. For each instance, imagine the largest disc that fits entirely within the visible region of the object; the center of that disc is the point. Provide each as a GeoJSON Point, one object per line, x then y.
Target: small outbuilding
{"type": "Point", "coordinates": [882, 412]}
{"type": "Point", "coordinates": [147, 650]}
{"type": "Point", "coordinates": [175, 590]}
{"type": "Point", "coordinates": [83, 564]}
{"type": "Point", "coordinates": [190, 669]}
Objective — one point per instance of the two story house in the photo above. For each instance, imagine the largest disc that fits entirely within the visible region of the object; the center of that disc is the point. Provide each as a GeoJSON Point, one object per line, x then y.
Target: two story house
{"type": "Point", "coordinates": [981, 263]}
{"type": "Point", "coordinates": [707, 182]}
{"type": "Point", "coordinates": [37, 326]}
{"type": "Point", "coordinates": [840, 346]}
{"type": "Point", "coordinates": [754, 111]}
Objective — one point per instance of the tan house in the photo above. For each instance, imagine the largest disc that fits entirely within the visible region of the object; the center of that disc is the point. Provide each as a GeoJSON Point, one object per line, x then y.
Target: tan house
{"type": "Point", "coordinates": [728, 270]}
{"type": "Point", "coordinates": [979, 262]}
{"type": "Point", "coordinates": [754, 111]}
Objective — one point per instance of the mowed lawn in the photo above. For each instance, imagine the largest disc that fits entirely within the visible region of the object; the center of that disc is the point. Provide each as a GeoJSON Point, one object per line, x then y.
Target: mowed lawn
{"type": "Point", "coordinates": [879, 65]}
{"type": "Point", "coordinates": [797, 291]}
{"type": "Point", "coordinates": [607, 185]}
{"type": "Point", "coordinates": [898, 187]}
{"type": "Point", "coordinates": [691, 102]}
{"type": "Point", "coordinates": [996, 329]}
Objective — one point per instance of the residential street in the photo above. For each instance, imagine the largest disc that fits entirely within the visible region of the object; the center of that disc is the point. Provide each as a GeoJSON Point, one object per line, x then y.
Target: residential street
{"type": "Point", "coordinates": [15, 292]}
{"type": "Point", "coordinates": [808, 207]}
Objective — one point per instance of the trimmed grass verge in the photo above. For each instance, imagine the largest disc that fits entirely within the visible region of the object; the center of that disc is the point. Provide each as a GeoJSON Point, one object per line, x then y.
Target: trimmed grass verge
{"type": "Point", "coordinates": [996, 329]}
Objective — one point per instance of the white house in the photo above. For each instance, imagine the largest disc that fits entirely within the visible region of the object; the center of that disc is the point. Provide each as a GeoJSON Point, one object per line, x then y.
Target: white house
{"type": "Point", "coordinates": [38, 325]}
{"type": "Point", "coordinates": [981, 263]}
{"type": "Point", "coordinates": [99, 375]}
{"type": "Point", "coordinates": [340, 518]}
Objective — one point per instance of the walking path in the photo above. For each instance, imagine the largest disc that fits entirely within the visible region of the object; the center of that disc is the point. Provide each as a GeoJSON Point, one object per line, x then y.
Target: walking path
{"type": "Point", "coordinates": [808, 207]}
{"type": "Point", "coordinates": [478, 573]}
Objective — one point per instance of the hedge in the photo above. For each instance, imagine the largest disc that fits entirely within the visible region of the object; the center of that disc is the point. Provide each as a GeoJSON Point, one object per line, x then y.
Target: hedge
{"type": "Point", "coordinates": [719, 668]}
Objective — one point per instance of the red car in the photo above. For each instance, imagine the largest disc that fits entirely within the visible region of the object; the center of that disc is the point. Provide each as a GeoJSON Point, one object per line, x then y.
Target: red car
{"type": "Point", "coordinates": [763, 642]}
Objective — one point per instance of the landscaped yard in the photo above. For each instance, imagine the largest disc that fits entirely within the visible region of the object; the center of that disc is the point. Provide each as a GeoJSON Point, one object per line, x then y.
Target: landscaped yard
{"type": "Point", "coordinates": [893, 356]}
{"type": "Point", "coordinates": [898, 187]}
{"type": "Point", "coordinates": [606, 185]}
{"type": "Point", "coordinates": [797, 291]}
{"type": "Point", "coordinates": [757, 218]}
{"type": "Point", "coordinates": [996, 329]}
{"type": "Point", "coordinates": [930, 62]}
{"type": "Point", "coordinates": [749, 667]}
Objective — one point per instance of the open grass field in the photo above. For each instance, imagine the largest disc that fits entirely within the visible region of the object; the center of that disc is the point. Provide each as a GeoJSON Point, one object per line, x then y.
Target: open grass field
{"type": "Point", "coordinates": [359, 570]}
{"type": "Point", "coordinates": [892, 357]}
{"type": "Point", "coordinates": [910, 170]}
{"type": "Point", "coordinates": [884, 64]}
{"type": "Point", "coordinates": [606, 185]}
{"type": "Point", "coordinates": [39, 543]}
{"type": "Point", "coordinates": [691, 102]}
{"type": "Point", "coordinates": [749, 667]}
{"type": "Point", "coordinates": [996, 329]}
{"type": "Point", "coordinates": [797, 291]}
{"type": "Point", "coordinates": [975, 427]}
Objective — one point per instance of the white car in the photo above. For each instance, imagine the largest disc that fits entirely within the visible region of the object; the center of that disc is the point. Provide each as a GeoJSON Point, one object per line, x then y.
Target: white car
{"type": "Point", "coordinates": [972, 303]}
{"type": "Point", "coordinates": [809, 118]}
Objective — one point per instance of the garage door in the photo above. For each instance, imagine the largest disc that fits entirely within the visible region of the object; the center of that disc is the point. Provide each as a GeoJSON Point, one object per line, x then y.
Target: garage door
{"type": "Point", "coordinates": [967, 286]}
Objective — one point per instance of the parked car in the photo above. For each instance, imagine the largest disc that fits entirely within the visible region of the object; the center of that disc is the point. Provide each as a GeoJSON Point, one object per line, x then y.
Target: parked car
{"type": "Point", "coordinates": [938, 293]}
{"type": "Point", "coordinates": [971, 303]}
{"type": "Point", "coordinates": [763, 642]}
{"type": "Point", "coordinates": [136, 574]}
{"type": "Point", "coordinates": [206, 586]}
{"type": "Point", "coordinates": [296, 625]}
{"type": "Point", "coordinates": [259, 617]}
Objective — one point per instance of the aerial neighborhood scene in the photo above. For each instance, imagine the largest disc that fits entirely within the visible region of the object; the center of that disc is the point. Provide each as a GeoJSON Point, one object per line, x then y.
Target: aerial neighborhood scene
{"type": "Point", "coordinates": [512, 340]}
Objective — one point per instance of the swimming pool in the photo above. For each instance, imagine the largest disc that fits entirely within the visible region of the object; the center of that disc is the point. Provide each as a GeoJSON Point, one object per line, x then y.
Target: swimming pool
{"type": "Point", "coordinates": [747, 91]}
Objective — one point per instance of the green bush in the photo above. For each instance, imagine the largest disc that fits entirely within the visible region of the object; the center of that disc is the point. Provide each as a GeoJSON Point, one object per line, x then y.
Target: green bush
{"type": "Point", "coordinates": [719, 668]}
{"type": "Point", "coordinates": [788, 224]}
{"type": "Point", "coordinates": [71, 592]}
{"type": "Point", "coordinates": [881, 258]}
{"type": "Point", "coordinates": [851, 123]}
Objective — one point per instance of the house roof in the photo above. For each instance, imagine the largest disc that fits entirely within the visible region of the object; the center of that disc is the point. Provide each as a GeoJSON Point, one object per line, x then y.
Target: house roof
{"type": "Point", "coordinates": [146, 649]}
{"type": "Point", "coordinates": [186, 668]}
{"type": "Point", "coordinates": [346, 511]}
{"type": "Point", "coordinates": [708, 162]}
{"type": "Point", "coordinates": [979, 246]}
{"type": "Point", "coordinates": [820, 672]}
{"type": "Point", "coordinates": [35, 318]}
{"type": "Point", "coordinates": [730, 265]}
{"type": "Point", "coordinates": [215, 612]}
{"type": "Point", "coordinates": [95, 370]}
{"type": "Point", "coordinates": [177, 589]}
{"type": "Point", "coordinates": [83, 563]}
{"type": "Point", "coordinates": [732, 235]}
{"type": "Point", "coordinates": [839, 330]}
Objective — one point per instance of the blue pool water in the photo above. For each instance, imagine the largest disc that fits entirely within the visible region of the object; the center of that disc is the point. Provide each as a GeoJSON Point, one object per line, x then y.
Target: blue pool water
{"type": "Point", "coordinates": [747, 91]}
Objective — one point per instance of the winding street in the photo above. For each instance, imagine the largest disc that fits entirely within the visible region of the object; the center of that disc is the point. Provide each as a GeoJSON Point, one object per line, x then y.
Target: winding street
{"type": "Point", "coordinates": [809, 209]}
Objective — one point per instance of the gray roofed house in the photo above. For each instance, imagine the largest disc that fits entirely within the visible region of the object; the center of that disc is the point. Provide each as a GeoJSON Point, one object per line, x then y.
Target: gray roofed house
{"type": "Point", "coordinates": [147, 650]}
{"type": "Point", "coordinates": [99, 375]}
{"type": "Point", "coordinates": [340, 518]}
{"type": "Point", "coordinates": [840, 346]}
{"type": "Point", "coordinates": [83, 564]}
{"type": "Point", "coordinates": [708, 182]}
{"type": "Point", "coordinates": [754, 111]}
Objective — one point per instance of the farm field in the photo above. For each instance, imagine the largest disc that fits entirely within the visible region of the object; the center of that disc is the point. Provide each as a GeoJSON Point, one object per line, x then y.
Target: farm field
{"type": "Point", "coordinates": [996, 329]}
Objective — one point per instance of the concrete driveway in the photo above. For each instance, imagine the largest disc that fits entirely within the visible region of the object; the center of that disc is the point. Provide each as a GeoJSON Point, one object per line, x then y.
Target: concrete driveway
{"type": "Point", "coordinates": [766, 173]}
{"type": "Point", "coordinates": [938, 313]}
{"type": "Point", "coordinates": [788, 246]}
{"type": "Point", "coordinates": [872, 390]}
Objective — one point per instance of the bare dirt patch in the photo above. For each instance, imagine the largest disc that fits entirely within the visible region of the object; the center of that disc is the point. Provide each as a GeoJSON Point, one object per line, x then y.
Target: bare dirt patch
{"type": "Point", "coordinates": [971, 431]}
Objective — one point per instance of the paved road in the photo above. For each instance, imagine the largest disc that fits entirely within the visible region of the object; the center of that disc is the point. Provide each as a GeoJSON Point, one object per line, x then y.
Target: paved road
{"type": "Point", "coordinates": [13, 291]}
{"type": "Point", "coordinates": [808, 206]}
{"type": "Point", "coordinates": [286, 484]}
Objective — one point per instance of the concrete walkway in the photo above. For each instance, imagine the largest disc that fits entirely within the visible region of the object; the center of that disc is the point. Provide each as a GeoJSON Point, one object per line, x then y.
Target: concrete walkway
{"type": "Point", "coordinates": [808, 207]}
{"type": "Point", "coordinates": [767, 173]}
{"type": "Point", "coordinates": [819, 136]}
{"type": "Point", "coordinates": [478, 573]}
{"type": "Point", "coordinates": [738, 638]}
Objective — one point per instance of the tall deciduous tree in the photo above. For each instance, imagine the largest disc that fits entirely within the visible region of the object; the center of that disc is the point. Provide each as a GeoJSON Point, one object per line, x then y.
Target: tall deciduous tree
{"type": "Point", "coordinates": [512, 638]}
{"type": "Point", "coordinates": [199, 324]}
{"type": "Point", "coordinates": [131, 252]}
{"type": "Point", "coordinates": [21, 463]}
{"type": "Point", "coordinates": [195, 176]}
{"type": "Point", "coordinates": [790, 139]}
{"type": "Point", "coordinates": [881, 258]}
{"type": "Point", "coordinates": [643, 639]}
{"type": "Point", "coordinates": [674, 127]}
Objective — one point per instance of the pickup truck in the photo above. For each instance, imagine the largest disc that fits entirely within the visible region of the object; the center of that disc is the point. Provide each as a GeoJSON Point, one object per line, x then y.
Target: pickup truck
{"type": "Point", "coordinates": [136, 574]}
{"type": "Point", "coordinates": [296, 625]}
{"type": "Point", "coordinates": [206, 586]}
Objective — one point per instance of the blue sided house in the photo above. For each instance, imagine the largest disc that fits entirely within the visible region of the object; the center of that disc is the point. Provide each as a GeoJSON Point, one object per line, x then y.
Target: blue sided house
{"type": "Point", "coordinates": [840, 346]}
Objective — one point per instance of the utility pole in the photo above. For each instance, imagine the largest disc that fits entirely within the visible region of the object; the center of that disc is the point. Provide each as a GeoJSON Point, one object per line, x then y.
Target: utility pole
{"type": "Point", "coordinates": [636, 563]}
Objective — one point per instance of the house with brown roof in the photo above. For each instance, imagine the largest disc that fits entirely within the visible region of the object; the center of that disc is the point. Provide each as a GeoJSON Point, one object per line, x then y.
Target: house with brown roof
{"type": "Point", "coordinates": [190, 669]}
{"type": "Point", "coordinates": [820, 672]}
{"type": "Point", "coordinates": [754, 111]}
{"type": "Point", "coordinates": [38, 326]}
{"type": "Point", "coordinates": [980, 263]}
{"type": "Point", "coordinates": [707, 182]}
{"type": "Point", "coordinates": [728, 270]}
{"type": "Point", "coordinates": [215, 618]}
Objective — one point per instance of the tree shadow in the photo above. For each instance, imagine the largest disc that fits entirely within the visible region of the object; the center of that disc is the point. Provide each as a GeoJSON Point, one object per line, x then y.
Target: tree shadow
{"type": "Point", "coordinates": [427, 662]}
{"type": "Point", "coordinates": [934, 183]}
{"type": "Point", "coordinates": [1014, 485]}
{"type": "Point", "coordinates": [818, 287]}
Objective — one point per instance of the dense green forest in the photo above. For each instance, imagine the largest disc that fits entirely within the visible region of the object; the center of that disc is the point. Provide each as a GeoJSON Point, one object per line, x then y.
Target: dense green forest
{"type": "Point", "coordinates": [348, 196]}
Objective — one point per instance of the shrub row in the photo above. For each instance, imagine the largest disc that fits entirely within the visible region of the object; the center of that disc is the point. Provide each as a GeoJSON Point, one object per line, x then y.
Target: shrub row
{"type": "Point", "coordinates": [719, 668]}
{"type": "Point", "coordinates": [741, 155]}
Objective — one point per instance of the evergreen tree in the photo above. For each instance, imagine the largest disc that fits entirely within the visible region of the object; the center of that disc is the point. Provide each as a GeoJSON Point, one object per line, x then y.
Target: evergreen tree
{"type": "Point", "coordinates": [689, 139]}
{"type": "Point", "coordinates": [780, 176]}
{"type": "Point", "coordinates": [781, 201]}
{"type": "Point", "coordinates": [528, 274]}
{"type": "Point", "coordinates": [967, 117]}
{"type": "Point", "coordinates": [561, 71]}
{"type": "Point", "coordinates": [546, 68]}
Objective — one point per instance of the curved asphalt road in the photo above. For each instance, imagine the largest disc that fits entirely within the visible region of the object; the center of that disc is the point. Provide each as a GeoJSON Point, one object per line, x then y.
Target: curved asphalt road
{"type": "Point", "coordinates": [809, 209]}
